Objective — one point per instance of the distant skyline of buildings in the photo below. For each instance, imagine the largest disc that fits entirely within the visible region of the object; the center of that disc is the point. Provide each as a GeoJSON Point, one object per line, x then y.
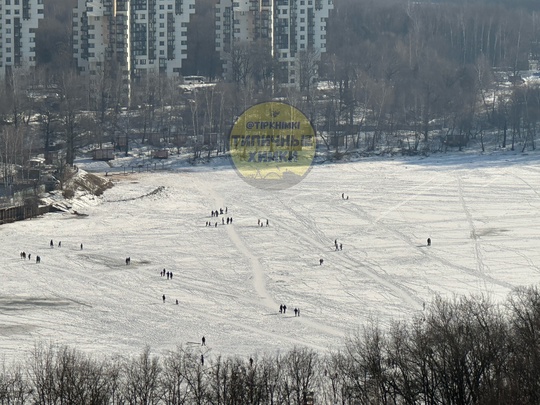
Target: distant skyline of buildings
{"type": "Point", "coordinates": [293, 31]}
{"type": "Point", "coordinates": [133, 38]}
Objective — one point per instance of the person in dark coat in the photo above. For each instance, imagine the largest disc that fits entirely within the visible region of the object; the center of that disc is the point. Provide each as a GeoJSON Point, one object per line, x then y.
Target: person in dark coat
{"type": "Point", "coordinates": [429, 241]}
{"type": "Point", "coordinates": [203, 340]}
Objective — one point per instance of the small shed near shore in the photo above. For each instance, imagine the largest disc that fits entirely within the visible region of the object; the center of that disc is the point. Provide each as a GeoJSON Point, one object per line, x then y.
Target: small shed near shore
{"type": "Point", "coordinates": [160, 154]}
{"type": "Point", "coordinates": [103, 154]}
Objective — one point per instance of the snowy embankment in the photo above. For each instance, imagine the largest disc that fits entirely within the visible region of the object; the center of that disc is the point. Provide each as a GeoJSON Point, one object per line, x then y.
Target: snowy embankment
{"type": "Point", "coordinates": [231, 279]}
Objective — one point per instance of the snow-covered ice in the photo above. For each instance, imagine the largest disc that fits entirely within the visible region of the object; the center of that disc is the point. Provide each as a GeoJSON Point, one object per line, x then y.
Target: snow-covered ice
{"type": "Point", "coordinates": [480, 212]}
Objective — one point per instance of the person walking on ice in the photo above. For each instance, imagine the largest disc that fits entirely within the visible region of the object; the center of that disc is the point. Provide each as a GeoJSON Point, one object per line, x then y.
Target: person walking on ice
{"type": "Point", "coordinates": [321, 261]}
{"type": "Point", "coordinates": [203, 341]}
{"type": "Point", "coordinates": [429, 241]}
{"type": "Point", "coordinates": [52, 243]}
{"type": "Point", "coordinates": [163, 297]}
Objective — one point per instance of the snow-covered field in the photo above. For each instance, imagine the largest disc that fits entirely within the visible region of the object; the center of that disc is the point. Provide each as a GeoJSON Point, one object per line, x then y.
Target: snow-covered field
{"type": "Point", "coordinates": [482, 214]}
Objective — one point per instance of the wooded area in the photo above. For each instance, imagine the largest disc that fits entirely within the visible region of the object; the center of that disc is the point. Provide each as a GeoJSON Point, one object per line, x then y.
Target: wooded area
{"type": "Point", "coordinates": [461, 351]}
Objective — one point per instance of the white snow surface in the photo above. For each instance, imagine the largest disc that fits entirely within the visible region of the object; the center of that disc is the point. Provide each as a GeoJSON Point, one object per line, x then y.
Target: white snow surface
{"type": "Point", "coordinates": [481, 213]}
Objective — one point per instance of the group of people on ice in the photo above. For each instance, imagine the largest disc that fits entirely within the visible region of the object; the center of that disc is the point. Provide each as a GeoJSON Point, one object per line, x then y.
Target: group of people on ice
{"type": "Point", "coordinates": [261, 222]}
{"type": "Point", "coordinates": [283, 310]}
{"type": "Point", "coordinates": [25, 255]}
{"type": "Point", "coordinates": [216, 214]}
{"type": "Point", "coordinates": [164, 273]}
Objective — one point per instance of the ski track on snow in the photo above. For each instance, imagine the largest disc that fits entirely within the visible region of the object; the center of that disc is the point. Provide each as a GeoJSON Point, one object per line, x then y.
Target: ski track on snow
{"type": "Point", "coordinates": [258, 271]}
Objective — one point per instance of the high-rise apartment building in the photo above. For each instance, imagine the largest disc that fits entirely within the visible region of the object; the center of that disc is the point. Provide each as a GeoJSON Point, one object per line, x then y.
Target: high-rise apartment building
{"type": "Point", "coordinates": [131, 36]}
{"type": "Point", "coordinates": [294, 31]}
{"type": "Point", "coordinates": [19, 20]}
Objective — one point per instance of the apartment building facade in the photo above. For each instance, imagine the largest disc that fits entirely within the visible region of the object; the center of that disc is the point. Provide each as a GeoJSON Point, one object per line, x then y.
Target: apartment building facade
{"type": "Point", "coordinates": [293, 31]}
{"type": "Point", "coordinates": [134, 37]}
{"type": "Point", "coordinates": [19, 20]}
